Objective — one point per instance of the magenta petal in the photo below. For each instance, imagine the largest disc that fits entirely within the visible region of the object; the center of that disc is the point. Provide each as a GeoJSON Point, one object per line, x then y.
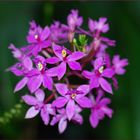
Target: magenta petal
{"type": "Point", "coordinates": [45, 33]}
{"type": "Point", "coordinates": [27, 63]}
{"type": "Point", "coordinates": [91, 25]}
{"type": "Point", "coordinates": [84, 102]}
{"type": "Point", "coordinates": [107, 111]}
{"type": "Point", "coordinates": [87, 74]}
{"type": "Point", "coordinates": [108, 72]}
{"type": "Point", "coordinates": [94, 119]}
{"type": "Point", "coordinates": [47, 82]}
{"type": "Point", "coordinates": [74, 65]}
{"type": "Point", "coordinates": [34, 83]}
{"type": "Point", "coordinates": [52, 71]}
{"type": "Point", "coordinates": [52, 60]}
{"type": "Point", "coordinates": [31, 39]}
{"type": "Point", "coordinates": [59, 102]}
{"type": "Point", "coordinates": [15, 70]}
{"type": "Point", "coordinates": [78, 118]}
{"type": "Point", "coordinates": [70, 109]}
{"type": "Point", "coordinates": [45, 116]}
{"type": "Point", "coordinates": [50, 109]}
{"type": "Point", "coordinates": [54, 120]}
{"type": "Point", "coordinates": [94, 82]}
{"type": "Point", "coordinates": [30, 100]}
{"type": "Point", "coordinates": [62, 125]}
{"type": "Point", "coordinates": [75, 56]}
{"type": "Point", "coordinates": [31, 113]}
{"type": "Point", "coordinates": [105, 101]}
{"type": "Point", "coordinates": [61, 70]}
{"type": "Point", "coordinates": [105, 85]}
{"type": "Point", "coordinates": [21, 84]}
{"type": "Point", "coordinates": [84, 88]}
{"type": "Point", "coordinates": [58, 51]}
{"type": "Point", "coordinates": [98, 63]}
{"type": "Point", "coordinates": [61, 88]}
{"type": "Point", "coordinates": [33, 72]}
{"type": "Point", "coordinates": [40, 95]}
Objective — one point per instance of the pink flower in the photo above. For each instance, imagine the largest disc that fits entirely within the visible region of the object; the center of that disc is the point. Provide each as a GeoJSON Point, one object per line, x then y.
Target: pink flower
{"type": "Point", "coordinates": [100, 26]}
{"type": "Point", "coordinates": [59, 32]}
{"type": "Point", "coordinates": [74, 20]}
{"type": "Point", "coordinates": [96, 77]}
{"type": "Point", "coordinates": [38, 38]}
{"type": "Point", "coordinates": [118, 64]}
{"type": "Point", "coordinates": [37, 105]}
{"type": "Point", "coordinates": [99, 109]}
{"type": "Point", "coordinates": [61, 118]}
{"type": "Point", "coordinates": [65, 57]}
{"type": "Point", "coordinates": [70, 97]}
{"type": "Point", "coordinates": [39, 75]}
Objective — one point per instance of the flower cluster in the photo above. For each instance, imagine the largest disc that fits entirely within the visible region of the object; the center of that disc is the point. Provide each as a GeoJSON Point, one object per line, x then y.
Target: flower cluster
{"type": "Point", "coordinates": [52, 60]}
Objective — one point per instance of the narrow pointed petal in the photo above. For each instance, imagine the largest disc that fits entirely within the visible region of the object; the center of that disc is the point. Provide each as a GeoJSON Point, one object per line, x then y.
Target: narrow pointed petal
{"type": "Point", "coordinates": [21, 84]}
{"type": "Point", "coordinates": [84, 88]}
{"type": "Point", "coordinates": [75, 56]}
{"type": "Point", "coordinates": [94, 119]}
{"type": "Point", "coordinates": [70, 109]}
{"type": "Point", "coordinates": [47, 82]}
{"type": "Point", "coordinates": [108, 73]}
{"type": "Point", "coordinates": [62, 125]}
{"type": "Point", "coordinates": [40, 95]}
{"type": "Point", "coordinates": [27, 63]}
{"type": "Point", "coordinates": [61, 88]}
{"type": "Point", "coordinates": [61, 70]}
{"type": "Point", "coordinates": [84, 102]}
{"type": "Point", "coordinates": [78, 118]}
{"type": "Point", "coordinates": [45, 116]}
{"type": "Point", "coordinates": [105, 101]}
{"type": "Point", "coordinates": [94, 82]}
{"type": "Point", "coordinates": [45, 33]}
{"type": "Point", "coordinates": [54, 120]}
{"type": "Point", "coordinates": [31, 113]}
{"type": "Point", "coordinates": [50, 109]}
{"type": "Point", "coordinates": [74, 65]}
{"type": "Point", "coordinates": [52, 60]}
{"type": "Point", "coordinates": [58, 51]}
{"type": "Point", "coordinates": [105, 85]}
{"type": "Point", "coordinates": [60, 102]}
{"type": "Point", "coordinates": [87, 74]}
{"type": "Point", "coordinates": [34, 83]}
{"type": "Point", "coordinates": [30, 100]}
{"type": "Point", "coordinates": [98, 63]}
{"type": "Point", "coordinates": [52, 72]}
{"type": "Point", "coordinates": [107, 111]}
{"type": "Point", "coordinates": [33, 72]}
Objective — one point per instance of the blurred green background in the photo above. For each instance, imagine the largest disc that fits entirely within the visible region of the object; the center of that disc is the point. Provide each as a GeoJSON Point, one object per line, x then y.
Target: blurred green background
{"type": "Point", "coordinates": [124, 19]}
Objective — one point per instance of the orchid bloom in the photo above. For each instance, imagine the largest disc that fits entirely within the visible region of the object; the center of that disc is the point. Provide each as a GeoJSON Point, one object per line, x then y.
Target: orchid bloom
{"type": "Point", "coordinates": [71, 96]}
{"type": "Point", "coordinates": [96, 77]}
{"type": "Point", "coordinates": [65, 57]}
{"type": "Point", "coordinates": [38, 106]}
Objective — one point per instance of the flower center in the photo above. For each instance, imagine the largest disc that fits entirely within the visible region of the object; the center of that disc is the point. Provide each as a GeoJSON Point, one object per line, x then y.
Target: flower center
{"type": "Point", "coordinates": [73, 95]}
{"type": "Point", "coordinates": [40, 66]}
{"type": "Point", "coordinates": [101, 69]}
{"type": "Point", "coordinates": [36, 36]}
{"type": "Point", "coordinates": [64, 53]}
{"type": "Point", "coordinates": [36, 107]}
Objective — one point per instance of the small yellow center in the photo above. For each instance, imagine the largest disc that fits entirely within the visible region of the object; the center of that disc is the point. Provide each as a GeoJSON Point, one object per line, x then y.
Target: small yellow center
{"type": "Point", "coordinates": [39, 66]}
{"type": "Point", "coordinates": [36, 36]}
{"type": "Point", "coordinates": [73, 95]}
{"type": "Point", "coordinates": [64, 53]}
{"type": "Point", "coordinates": [101, 69]}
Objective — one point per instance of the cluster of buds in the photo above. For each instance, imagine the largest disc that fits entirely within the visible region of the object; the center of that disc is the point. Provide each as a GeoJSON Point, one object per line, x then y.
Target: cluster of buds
{"type": "Point", "coordinates": [67, 70]}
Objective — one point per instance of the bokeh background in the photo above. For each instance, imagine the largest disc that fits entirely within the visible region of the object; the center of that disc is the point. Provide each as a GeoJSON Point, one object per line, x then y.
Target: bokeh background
{"type": "Point", "coordinates": [124, 19]}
